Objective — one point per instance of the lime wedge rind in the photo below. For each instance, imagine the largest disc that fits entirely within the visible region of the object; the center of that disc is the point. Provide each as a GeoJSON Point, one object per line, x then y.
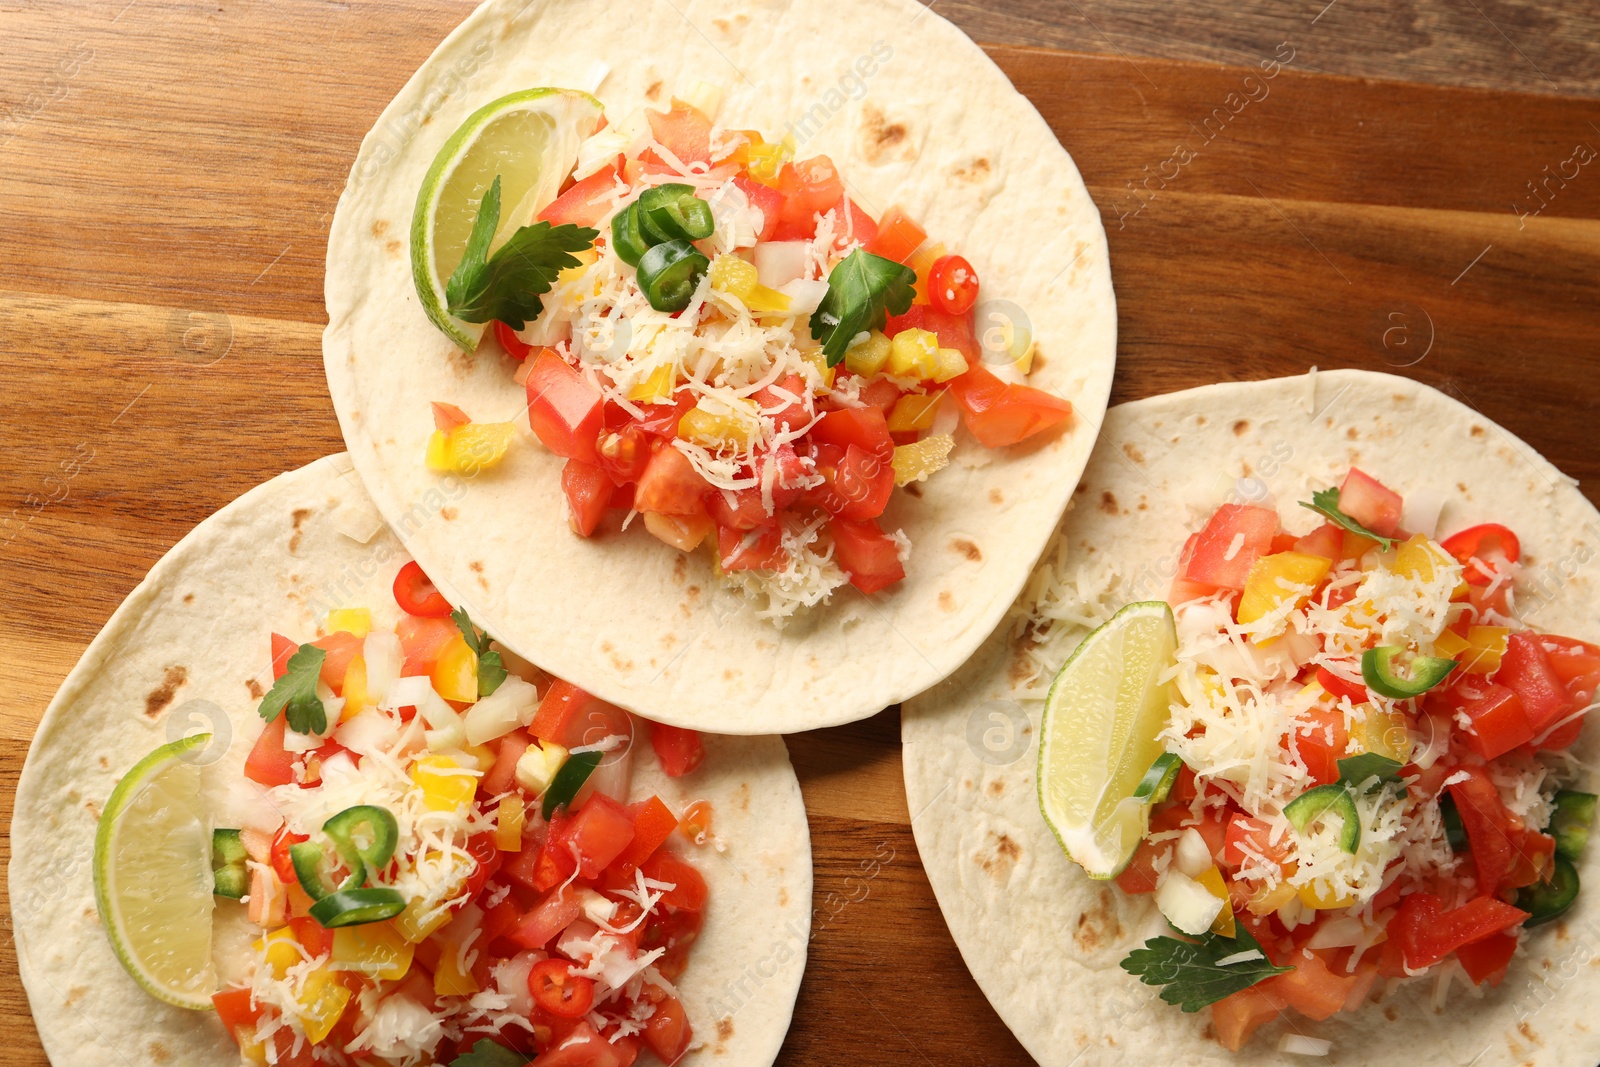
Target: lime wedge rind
{"type": "Point", "coordinates": [571, 116]}
{"type": "Point", "coordinates": [1098, 736]}
{"type": "Point", "coordinates": [176, 849]}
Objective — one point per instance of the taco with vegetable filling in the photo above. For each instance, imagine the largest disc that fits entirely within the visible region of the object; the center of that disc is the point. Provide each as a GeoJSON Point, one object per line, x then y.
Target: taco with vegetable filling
{"type": "Point", "coordinates": [365, 833]}
{"type": "Point", "coordinates": [770, 382]}
{"type": "Point", "coordinates": [1309, 692]}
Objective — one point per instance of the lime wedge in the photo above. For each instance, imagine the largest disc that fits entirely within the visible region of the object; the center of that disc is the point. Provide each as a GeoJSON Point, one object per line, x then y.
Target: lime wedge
{"type": "Point", "coordinates": [1098, 737]}
{"type": "Point", "coordinates": [530, 139]}
{"type": "Point", "coordinates": [152, 876]}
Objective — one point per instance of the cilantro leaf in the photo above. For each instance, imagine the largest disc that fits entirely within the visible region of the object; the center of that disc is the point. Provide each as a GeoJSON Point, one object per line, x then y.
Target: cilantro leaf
{"type": "Point", "coordinates": [509, 285]}
{"type": "Point", "coordinates": [863, 291]}
{"type": "Point", "coordinates": [1326, 501]}
{"type": "Point", "coordinates": [1353, 770]}
{"type": "Point", "coordinates": [296, 690]}
{"type": "Point", "coordinates": [1189, 970]}
{"type": "Point", "coordinates": [488, 1054]}
{"type": "Point", "coordinates": [491, 671]}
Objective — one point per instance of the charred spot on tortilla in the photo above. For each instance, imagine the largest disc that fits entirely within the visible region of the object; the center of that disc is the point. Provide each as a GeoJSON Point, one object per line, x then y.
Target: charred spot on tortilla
{"type": "Point", "coordinates": [159, 1053]}
{"type": "Point", "coordinates": [1241, 427]}
{"type": "Point", "coordinates": [188, 598]}
{"type": "Point", "coordinates": [976, 171]}
{"type": "Point", "coordinates": [1133, 453]}
{"type": "Point", "coordinates": [256, 692]}
{"type": "Point", "coordinates": [1098, 925]}
{"type": "Point", "coordinates": [477, 566]}
{"type": "Point", "coordinates": [380, 228]}
{"type": "Point", "coordinates": [680, 567]}
{"type": "Point", "coordinates": [298, 516]}
{"type": "Point", "coordinates": [654, 92]}
{"type": "Point", "coordinates": [448, 514]}
{"type": "Point", "coordinates": [996, 497]}
{"type": "Point", "coordinates": [1477, 431]}
{"type": "Point", "coordinates": [1352, 434]}
{"type": "Point", "coordinates": [92, 808]}
{"type": "Point", "coordinates": [947, 600]}
{"type": "Point", "coordinates": [394, 248]}
{"type": "Point", "coordinates": [1006, 853]}
{"type": "Point", "coordinates": [881, 139]}
{"type": "Point", "coordinates": [968, 548]}
{"type": "Point", "coordinates": [172, 679]}
{"type": "Point", "coordinates": [1108, 502]}
{"type": "Point", "coordinates": [105, 764]}
{"type": "Point", "coordinates": [724, 1028]}
{"type": "Point", "coordinates": [997, 787]}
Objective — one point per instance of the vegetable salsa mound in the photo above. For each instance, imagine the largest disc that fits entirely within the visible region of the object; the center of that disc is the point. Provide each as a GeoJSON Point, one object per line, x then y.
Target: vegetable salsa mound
{"type": "Point", "coordinates": [1366, 758]}
{"type": "Point", "coordinates": [451, 868]}
{"type": "Point", "coordinates": [727, 346]}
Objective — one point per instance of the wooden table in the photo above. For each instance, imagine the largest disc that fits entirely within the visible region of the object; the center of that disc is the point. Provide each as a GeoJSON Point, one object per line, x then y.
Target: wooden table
{"type": "Point", "coordinates": [167, 172]}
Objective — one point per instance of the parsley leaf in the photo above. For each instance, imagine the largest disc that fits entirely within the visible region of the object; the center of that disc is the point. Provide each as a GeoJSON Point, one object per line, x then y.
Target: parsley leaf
{"type": "Point", "coordinates": [488, 1054]}
{"type": "Point", "coordinates": [1326, 501]}
{"type": "Point", "coordinates": [491, 671]}
{"type": "Point", "coordinates": [1353, 770]}
{"type": "Point", "coordinates": [296, 690]}
{"type": "Point", "coordinates": [509, 285]}
{"type": "Point", "coordinates": [1189, 972]}
{"type": "Point", "coordinates": [863, 291]}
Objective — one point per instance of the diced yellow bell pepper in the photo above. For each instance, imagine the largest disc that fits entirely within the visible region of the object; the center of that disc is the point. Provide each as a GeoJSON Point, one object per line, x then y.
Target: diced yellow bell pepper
{"type": "Point", "coordinates": [766, 301]}
{"type": "Point", "coordinates": [916, 461]}
{"type": "Point", "coordinates": [825, 374]}
{"type": "Point", "coordinates": [470, 448]}
{"type": "Point", "coordinates": [483, 755]}
{"type": "Point", "coordinates": [951, 364]}
{"type": "Point", "coordinates": [914, 354]}
{"type": "Point", "coordinates": [868, 357]}
{"type": "Point", "coordinates": [439, 457]}
{"type": "Point", "coordinates": [914, 411]}
{"type": "Point", "coordinates": [415, 924]}
{"type": "Point", "coordinates": [508, 821]}
{"type": "Point", "coordinates": [449, 980]}
{"type": "Point", "coordinates": [922, 262]}
{"type": "Point", "coordinates": [356, 621]}
{"type": "Point", "coordinates": [732, 275]}
{"type": "Point", "coordinates": [683, 532]}
{"type": "Point", "coordinates": [322, 1000]}
{"type": "Point", "coordinates": [714, 428]}
{"type": "Point", "coordinates": [251, 1051]}
{"type": "Point", "coordinates": [1223, 924]}
{"type": "Point", "coordinates": [539, 763]}
{"type": "Point", "coordinates": [445, 784]}
{"type": "Point", "coordinates": [455, 672]}
{"type": "Point", "coordinates": [354, 691]}
{"type": "Point", "coordinates": [1383, 733]}
{"type": "Point", "coordinates": [766, 160]}
{"type": "Point", "coordinates": [376, 950]}
{"type": "Point", "coordinates": [1320, 897]}
{"type": "Point", "coordinates": [1265, 901]}
{"type": "Point", "coordinates": [1419, 557]}
{"type": "Point", "coordinates": [1479, 652]}
{"type": "Point", "coordinates": [281, 950]}
{"type": "Point", "coordinates": [1265, 588]}
{"type": "Point", "coordinates": [658, 387]}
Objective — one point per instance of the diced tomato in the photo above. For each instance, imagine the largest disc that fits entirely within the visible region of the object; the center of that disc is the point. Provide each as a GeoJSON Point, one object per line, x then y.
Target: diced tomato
{"type": "Point", "coordinates": [953, 331]}
{"type": "Point", "coordinates": [588, 490]}
{"type": "Point", "coordinates": [1238, 1016]}
{"type": "Point", "coordinates": [765, 199]}
{"type": "Point", "coordinates": [624, 452]}
{"type": "Point", "coordinates": [1426, 933]}
{"type": "Point", "coordinates": [671, 485]}
{"type": "Point", "coordinates": [882, 395]}
{"type": "Point", "coordinates": [1249, 840]}
{"type": "Point", "coordinates": [1490, 543]}
{"type": "Point", "coordinates": [1001, 413]}
{"type": "Point", "coordinates": [1526, 670]}
{"type": "Point", "coordinates": [315, 938]}
{"type": "Point", "coordinates": [785, 491]}
{"type": "Point", "coordinates": [1215, 560]}
{"type": "Point", "coordinates": [268, 763]}
{"type": "Point", "coordinates": [585, 202]}
{"type": "Point", "coordinates": [556, 862]}
{"type": "Point", "coordinates": [282, 865]}
{"type": "Point", "coordinates": [1498, 722]}
{"type": "Point", "coordinates": [1488, 959]}
{"type": "Point", "coordinates": [653, 823]}
{"type": "Point", "coordinates": [1339, 687]}
{"type": "Point", "coordinates": [1326, 541]}
{"type": "Point", "coordinates": [1370, 502]}
{"type": "Point", "coordinates": [750, 550]}
{"type": "Point", "coordinates": [739, 509]}
{"type": "Point", "coordinates": [503, 775]}
{"type": "Point", "coordinates": [667, 1032]}
{"type": "Point", "coordinates": [418, 596]}
{"type": "Point", "coordinates": [690, 892]}
{"type": "Point", "coordinates": [447, 417]}
{"type": "Point", "coordinates": [865, 428]}
{"type": "Point", "coordinates": [898, 236]}
{"type": "Point", "coordinates": [1488, 826]}
{"type": "Point", "coordinates": [862, 485]}
{"type": "Point", "coordinates": [679, 750]}
{"type": "Point", "coordinates": [236, 1011]}
{"type": "Point", "coordinates": [565, 409]}
{"type": "Point", "coordinates": [1284, 542]}
{"type": "Point", "coordinates": [601, 830]}
{"type": "Point", "coordinates": [684, 131]}
{"type": "Point", "coordinates": [868, 555]}
{"type": "Point", "coordinates": [585, 1047]}
{"type": "Point", "coordinates": [282, 649]}
{"type": "Point", "coordinates": [558, 711]}
{"type": "Point", "coordinates": [1312, 988]}
{"type": "Point", "coordinates": [515, 346]}
{"type": "Point", "coordinates": [788, 402]}
{"type": "Point", "coordinates": [1140, 875]}
{"type": "Point", "coordinates": [852, 226]}
{"type": "Point", "coordinates": [661, 420]}
{"type": "Point", "coordinates": [339, 649]}
{"type": "Point", "coordinates": [1577, 664]}
{"type": "Point", "coordinates": [1321, 738]}
{"type": "Point", "coordinates": [422, 639]}
{"type": "Point", "coordinates": [558, 910]}
{"type": "Point", "coordinates": [1532, 857]}
{"type": "Point", "coordinates": [1182, 589]}
{"type": "Point", "coordinates": [953, 284]}
{"type": "Point", "coordinates": [560, 992]}
{"type": "Point", "coordinates": [810, 187]}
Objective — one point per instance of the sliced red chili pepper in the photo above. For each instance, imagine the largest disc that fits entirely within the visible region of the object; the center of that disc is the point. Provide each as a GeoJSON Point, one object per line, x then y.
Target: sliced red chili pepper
{"type": "Point", "coordinates": [560, 992]}
{"type": "Point", "coordinates": [1489, 542]}
{"type": "Point", "coordinates": [416, 594]}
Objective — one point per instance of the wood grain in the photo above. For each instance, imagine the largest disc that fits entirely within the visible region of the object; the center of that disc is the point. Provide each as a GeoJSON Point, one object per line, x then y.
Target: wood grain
{"type": "Point", "coordinates": [169, 171]}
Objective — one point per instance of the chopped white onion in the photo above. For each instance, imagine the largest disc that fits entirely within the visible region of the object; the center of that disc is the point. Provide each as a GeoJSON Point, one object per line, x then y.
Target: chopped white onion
{"type": "Point", "coordinates": [502, 711]}
{"type": "Point", "coordinates": [384, 656]}
{"type": "Point", "coordinates": [1301, 1045]}
{"type": "Point", "coordinates": [1187, 904]}
{"type": "Point", "coordinates": [367, 733]}
{"type": "Point", "coordinates": [780, 262]}
{"type": "Point", "coordinates": [1193, 857]}
{"type": "Point", "coordinates": [1420, 511]}
{"type": "Point", "coordinates": [804, 296]}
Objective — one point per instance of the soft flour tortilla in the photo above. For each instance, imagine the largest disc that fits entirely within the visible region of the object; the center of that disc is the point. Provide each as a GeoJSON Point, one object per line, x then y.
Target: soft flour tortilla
{"type": "Point", "coordinates": [1043, 941]}
{"type": "Point", "coordinates": [934, 127]}
{"type": "Point", "coordinates": [178, 657]}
